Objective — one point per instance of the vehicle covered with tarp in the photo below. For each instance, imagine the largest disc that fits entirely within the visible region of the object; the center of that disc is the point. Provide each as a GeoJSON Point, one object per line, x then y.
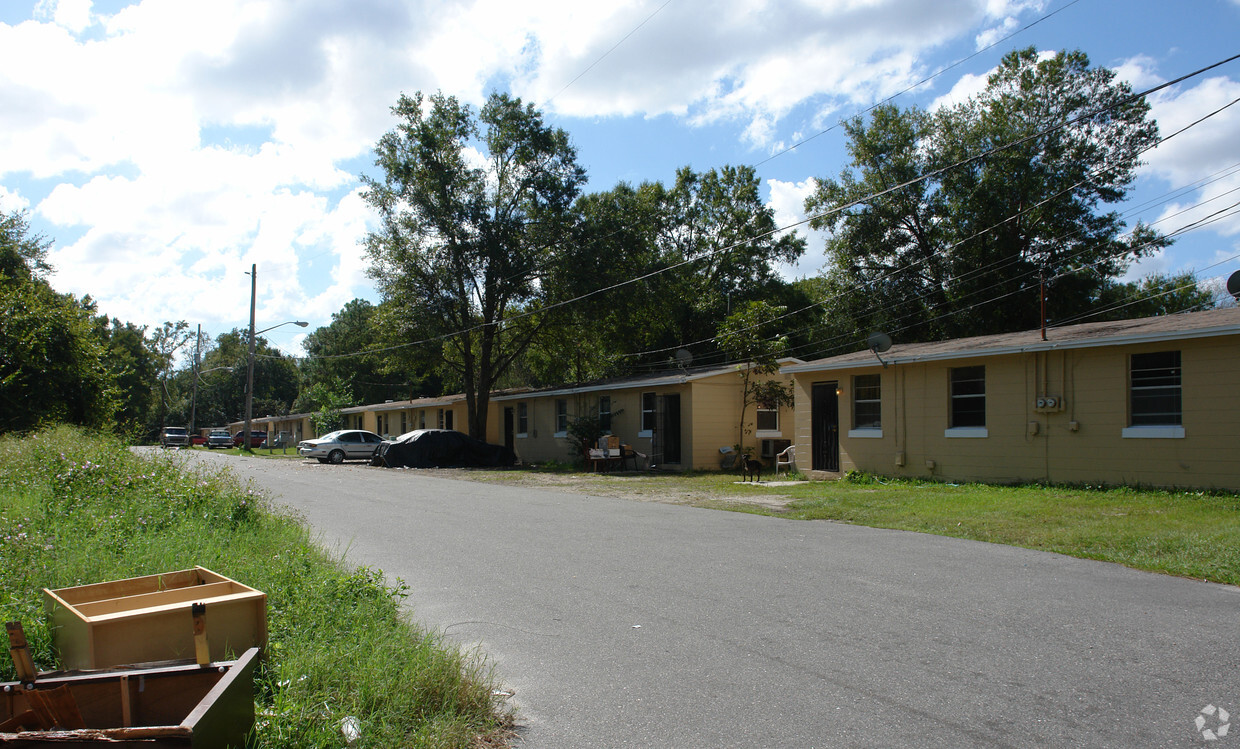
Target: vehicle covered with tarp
{"type": "Point", "coordinates": [441, 448]}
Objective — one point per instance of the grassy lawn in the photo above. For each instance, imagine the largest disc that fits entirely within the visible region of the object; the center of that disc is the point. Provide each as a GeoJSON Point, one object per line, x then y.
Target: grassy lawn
{"type": "Point", "coordinates": [1189, 534]}
{"type": "Point", "coordinates": [77, 508]}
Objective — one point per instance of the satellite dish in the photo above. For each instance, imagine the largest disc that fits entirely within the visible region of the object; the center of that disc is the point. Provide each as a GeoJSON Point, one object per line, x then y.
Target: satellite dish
{"type": "Point", "coordinates": [1233, 284]}
{"type": "Point", "coordinates": [878, 343]}
{"type": "Point", "coordinates": [683, 357]}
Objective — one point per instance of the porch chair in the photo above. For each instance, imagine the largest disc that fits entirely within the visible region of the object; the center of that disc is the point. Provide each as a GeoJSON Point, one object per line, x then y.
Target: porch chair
{"type": "Point", "coordinates": [786, 458]}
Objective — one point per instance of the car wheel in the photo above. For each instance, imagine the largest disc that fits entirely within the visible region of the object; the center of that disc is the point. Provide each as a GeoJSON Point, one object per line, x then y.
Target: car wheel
{"type": "Point", "coordinates": [336, 457]}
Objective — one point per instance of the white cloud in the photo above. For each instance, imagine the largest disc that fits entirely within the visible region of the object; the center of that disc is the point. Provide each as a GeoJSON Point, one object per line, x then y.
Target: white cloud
{"type": "Point", "coordinates": [787, 200]}
{"type": "Point", "coordinates": [74, 15]}
{"type": "Point", "coordinates": [968, 86]}
{"type": "Point", "coordinates": [752, 60]}
{"type": "Point", "coordinates": [1140, 72]}
{"type": "Point", "coordinates": [191, 138]}
{"type": "Point", "coordinates": [11, 200]}
{"type": "Point", "coordinates": [1204, 157]}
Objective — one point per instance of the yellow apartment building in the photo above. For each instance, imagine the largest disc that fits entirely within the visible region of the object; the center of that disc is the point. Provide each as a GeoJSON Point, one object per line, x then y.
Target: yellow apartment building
{"type": "Point", "coordinates": [678, 420]}
{"type": "Point", "coordinates": [1153, 402]}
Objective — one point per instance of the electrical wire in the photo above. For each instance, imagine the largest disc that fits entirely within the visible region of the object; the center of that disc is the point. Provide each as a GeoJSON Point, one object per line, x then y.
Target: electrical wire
{"type": "Point", "coordinates": [835, 209]}
{"type": "Point", "coordinates": [918, 84]}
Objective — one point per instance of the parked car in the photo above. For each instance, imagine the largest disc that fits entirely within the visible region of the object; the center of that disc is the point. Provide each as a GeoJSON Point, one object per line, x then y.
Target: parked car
{"type": "Point", "coordinates": [197, 440]}
{"type": "Point", "coordinates": [257, 438]}
{"type": "Point", "coordinates": [174, 437]}
{"type": "Point", "coordinates": [219, 438]}
{"type": "Point", "coordinates": [342, 445]}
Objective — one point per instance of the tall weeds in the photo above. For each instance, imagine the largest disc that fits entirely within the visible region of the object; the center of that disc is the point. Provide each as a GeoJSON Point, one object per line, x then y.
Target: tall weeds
{"type": "Point", "coordinates": [77, 507]}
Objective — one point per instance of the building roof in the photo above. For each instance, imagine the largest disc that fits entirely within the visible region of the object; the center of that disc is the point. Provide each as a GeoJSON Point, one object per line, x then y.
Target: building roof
{"type": "Point", "coordinates": [438, 401]}
{"type": "Point", "coordinates": [657, 379]}
{"type": "Point", "coordinates": [1185, 325]}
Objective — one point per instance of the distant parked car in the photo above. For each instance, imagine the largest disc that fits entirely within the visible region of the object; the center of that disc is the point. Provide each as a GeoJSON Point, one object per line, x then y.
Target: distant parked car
{"type": "Point", "coordinates": [197, 440]}
{"type": "Point", "coordinates": [174, 437]}
{"type": "Point", "coordinates": [219, 438]}
{"type": "Point", "coordinates": [342, 445]}
{"type": "Point", "coordinates": [257, 438]}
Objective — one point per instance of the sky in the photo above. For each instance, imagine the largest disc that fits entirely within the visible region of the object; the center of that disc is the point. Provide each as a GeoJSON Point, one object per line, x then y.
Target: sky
{"type": "Point", "coordinates": [166, 146]}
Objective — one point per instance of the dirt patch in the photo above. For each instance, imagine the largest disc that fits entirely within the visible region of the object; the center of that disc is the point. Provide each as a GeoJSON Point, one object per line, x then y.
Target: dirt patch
{"type": "Point", "coordinates": [636, 486]}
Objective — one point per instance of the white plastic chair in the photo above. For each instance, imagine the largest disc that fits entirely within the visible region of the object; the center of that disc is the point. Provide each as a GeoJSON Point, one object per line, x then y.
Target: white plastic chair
{"type": "Point", "coordinates": [786, 458]}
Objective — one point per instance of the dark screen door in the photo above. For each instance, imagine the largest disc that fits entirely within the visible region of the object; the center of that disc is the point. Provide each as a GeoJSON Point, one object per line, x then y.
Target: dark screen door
{"type": "Point", "coordinates": [825, 438]}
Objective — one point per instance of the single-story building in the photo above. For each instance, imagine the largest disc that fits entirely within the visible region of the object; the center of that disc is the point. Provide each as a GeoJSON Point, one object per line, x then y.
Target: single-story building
{"type": "Point", "coordinates": [394, 418]}
{"type": "Point", "coordinates": [678, 419]}
{"type": "Point", "coordinates": [1153, 401]}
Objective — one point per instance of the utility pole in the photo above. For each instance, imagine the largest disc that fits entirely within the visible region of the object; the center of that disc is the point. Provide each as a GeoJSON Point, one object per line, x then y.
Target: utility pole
{"type": "Point", "coordinates": [193, 401]}
{"type": "Point", "coordinates": [249, 371]}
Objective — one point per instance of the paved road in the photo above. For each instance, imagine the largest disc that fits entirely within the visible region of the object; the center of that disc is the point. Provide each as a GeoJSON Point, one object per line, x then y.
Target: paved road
{"type": "Point", "coordinates": [633, 624]}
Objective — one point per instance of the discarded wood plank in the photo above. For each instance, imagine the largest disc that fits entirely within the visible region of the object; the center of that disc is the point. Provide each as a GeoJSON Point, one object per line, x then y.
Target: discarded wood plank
{"type": "Point", "coordinates": [202, 652]}
{"type": "Point", "coordinates": [20, 652]}
{"type": "Point", "coordinates": [58, 705]}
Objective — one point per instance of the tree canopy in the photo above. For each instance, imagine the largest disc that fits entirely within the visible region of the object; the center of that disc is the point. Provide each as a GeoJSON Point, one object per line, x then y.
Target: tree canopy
{"type": "Point", "coordinates": [948, 223]}
{"type": "Point", "coordinates": [462, 241]}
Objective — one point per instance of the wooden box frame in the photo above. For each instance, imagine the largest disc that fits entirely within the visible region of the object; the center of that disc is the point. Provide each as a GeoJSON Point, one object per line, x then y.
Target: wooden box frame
{"type": "Point", "coordinates": [159, 707]}
{"type": "Point", "coordinates": [145, 619]}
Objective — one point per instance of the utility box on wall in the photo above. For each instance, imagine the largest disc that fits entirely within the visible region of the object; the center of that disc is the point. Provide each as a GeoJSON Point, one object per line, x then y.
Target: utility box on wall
{"type": "Point", "coordinates": [145, 619]}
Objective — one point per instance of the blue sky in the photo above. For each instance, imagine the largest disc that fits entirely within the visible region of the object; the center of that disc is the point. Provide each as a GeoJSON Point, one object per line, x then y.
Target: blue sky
{"type": "Point", "coordinates": [165, 145]}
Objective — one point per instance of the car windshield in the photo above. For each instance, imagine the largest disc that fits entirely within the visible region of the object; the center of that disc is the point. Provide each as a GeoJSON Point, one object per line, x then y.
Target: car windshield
{"type": "Point", "coordinates": [330, 436]}
{"type": "Point", "coordinates": [175, 430]}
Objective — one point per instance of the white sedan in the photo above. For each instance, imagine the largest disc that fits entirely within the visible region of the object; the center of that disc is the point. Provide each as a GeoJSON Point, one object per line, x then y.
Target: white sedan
{"type": "Point", "coordinates": [339, 446]}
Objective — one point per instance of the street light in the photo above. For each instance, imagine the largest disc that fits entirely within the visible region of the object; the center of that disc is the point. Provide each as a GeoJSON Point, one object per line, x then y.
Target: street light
{"type": "Point", "coordinates": [249, 374]}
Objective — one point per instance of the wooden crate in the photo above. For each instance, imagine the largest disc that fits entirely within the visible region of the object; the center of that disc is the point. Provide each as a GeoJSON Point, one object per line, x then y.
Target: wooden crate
{"type": "Point", "coordinates": [146, 619]}
{"type": "Point", "coordinates": [158, 707]}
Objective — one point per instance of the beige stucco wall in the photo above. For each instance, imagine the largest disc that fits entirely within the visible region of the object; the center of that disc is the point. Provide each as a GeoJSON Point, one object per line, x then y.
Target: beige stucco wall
{"type": "Point", "coordinates": [1082, 442]}
{"type": "Point", "coordinates": [709, 417]}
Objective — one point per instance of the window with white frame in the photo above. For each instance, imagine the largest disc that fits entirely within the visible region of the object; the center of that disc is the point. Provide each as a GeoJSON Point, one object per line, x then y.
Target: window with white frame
{"type": "Point", "coordinates": [767, 419]}
{"type": "Point", "coordinates": [523, 419]}
{"type": "Point", "coordinates": [561, 418]}
{"type": "Point", "coordinates": [1155, 395]}
{"type": "Point", "coordinates": [968, 397]}
{"type": "Point", "coordinates": [867, 404]}
{"type": "Point", "coordinates": [404, 422]}
{"type": "Point", "coordinates": [604, 413]}
{"type": "Point", "coordinates": [439, 420]}
{"type": "Point", "coordinates": [650, 403]}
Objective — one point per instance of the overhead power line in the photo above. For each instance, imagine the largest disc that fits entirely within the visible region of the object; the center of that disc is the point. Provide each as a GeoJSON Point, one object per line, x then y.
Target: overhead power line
{"type": "Point", "coordinates": [920, 83]}
{"type": "Point", "coordinates": [822, 214]}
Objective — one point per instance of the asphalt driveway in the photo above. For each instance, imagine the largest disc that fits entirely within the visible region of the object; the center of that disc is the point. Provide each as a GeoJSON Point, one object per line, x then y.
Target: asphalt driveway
{"type": "Point", "coordinates": [636, 624]}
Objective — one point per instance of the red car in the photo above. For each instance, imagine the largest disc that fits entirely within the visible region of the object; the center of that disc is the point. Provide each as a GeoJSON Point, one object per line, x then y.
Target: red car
{"type": "Point", "coordinates": [197, 440]}
{"type": "Point", "coordinates": [257, 438]}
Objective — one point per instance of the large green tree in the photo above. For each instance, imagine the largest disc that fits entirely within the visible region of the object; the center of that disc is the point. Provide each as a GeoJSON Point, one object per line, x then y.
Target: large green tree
{"type": "Point", "coordinates": [1008, 192]}
{"type": "Point", "coordinates": [49, 352]}
{"type": "Point", "coordinates": [472, 208]}
{"type": "Point", "coordinates": [702, 248]}
{"type": "Point", "coordinates": [338, 361]}
{"type": "Point", "coordinates": [134, 369]}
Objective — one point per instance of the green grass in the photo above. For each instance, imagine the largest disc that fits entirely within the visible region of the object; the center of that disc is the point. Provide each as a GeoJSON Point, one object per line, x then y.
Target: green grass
{"type": "Point", "coordinates": [77, 508]}
{"type": "Point", "coordinates": [1190, 534]}
{"type": "Point", "coordinates": [1185, 533]}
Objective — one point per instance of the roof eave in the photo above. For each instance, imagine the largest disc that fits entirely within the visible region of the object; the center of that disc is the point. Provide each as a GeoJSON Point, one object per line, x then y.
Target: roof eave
{"type": "Point", "coordinates": [1121, 340]}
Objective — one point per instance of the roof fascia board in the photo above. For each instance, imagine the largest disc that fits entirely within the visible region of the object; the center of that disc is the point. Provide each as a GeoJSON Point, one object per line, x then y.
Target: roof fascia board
{"type": "Point", "coordinates": [1123, 340]}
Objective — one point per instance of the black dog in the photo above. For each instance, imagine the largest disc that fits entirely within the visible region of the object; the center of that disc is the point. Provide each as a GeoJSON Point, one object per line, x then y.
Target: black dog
{"type": "Point", "coordinates": [751, 467]}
